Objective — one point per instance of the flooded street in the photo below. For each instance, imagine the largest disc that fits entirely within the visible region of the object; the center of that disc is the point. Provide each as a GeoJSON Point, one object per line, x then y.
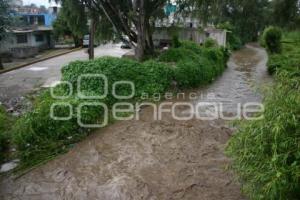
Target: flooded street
{"type": "Point", "coordinates": [153, 159]}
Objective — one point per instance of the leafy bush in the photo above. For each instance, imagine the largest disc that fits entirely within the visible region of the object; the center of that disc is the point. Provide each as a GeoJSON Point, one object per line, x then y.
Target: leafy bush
{"type": "Point", "coordinates": [192, 46]}
{"type": "Point", "coordinates": [234, 42]}
{"type": "Point", "coordinates": [196, 65]}
{"type": "Point", "coordinates": [175, 41]}
{"type": "Point", "coordinates": [39, 137]}
{"type": "Point", "coordinates": [266, 153]}
{"type": "Point", "coordinates": [177, 54]}
{"type": "Point", "coordinates": [209, 43]}
{"type": "Point", "coordinates": [149, 77]}
{"type": "Point", "coordinates": [193, 73]}
{"type": "Point", "coordinates": [272, 39]}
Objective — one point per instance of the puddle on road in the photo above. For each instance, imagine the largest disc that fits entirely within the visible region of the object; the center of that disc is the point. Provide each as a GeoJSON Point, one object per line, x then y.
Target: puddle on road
{"type": "Point", "coordinates": [37, 69]}
{"type": "Point", "coordinates": [149, 159]}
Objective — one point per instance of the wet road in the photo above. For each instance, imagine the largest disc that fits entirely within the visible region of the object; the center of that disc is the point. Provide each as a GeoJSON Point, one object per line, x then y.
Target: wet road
{"type": "Point", "coordinates": [150, 159]}
{"type": "Point", "coordinates": [18, 83]}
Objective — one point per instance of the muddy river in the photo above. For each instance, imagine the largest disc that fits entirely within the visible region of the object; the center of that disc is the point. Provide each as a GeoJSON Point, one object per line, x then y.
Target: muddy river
{"type": "Point", "coordinates": [153, 159]}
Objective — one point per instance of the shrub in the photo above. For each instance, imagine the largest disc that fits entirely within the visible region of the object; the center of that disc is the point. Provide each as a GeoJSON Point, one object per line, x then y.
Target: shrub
{"type": "Point", "coordinates": [234, 42]}
{"type": "Point", "coordinates": [39, 137]}
{"type": "Point", "coordinates": [209, 43]}
{"type": "Point", "coordinates": [194, 73]}
{"type": "Point", "coordinates": [272, 39]}
{"type": "Point", "coordinates": [178, 54]}
{"type": "Point", "coordinates": [196, 65]}
{"type": "Point", "coordinates": [175, 41]}
{"type": "Point", "coordinates": [149, 77]}
{"type": "Point", "coordinates": [192, 46]}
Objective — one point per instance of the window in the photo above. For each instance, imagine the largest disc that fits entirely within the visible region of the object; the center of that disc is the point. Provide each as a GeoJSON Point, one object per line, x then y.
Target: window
{"type": "Point", "coordinates": [41, 20]}
{"type": "Point", "coordinates": [39, 37]}
{"type": "Point", "coordinates": [21, 38]}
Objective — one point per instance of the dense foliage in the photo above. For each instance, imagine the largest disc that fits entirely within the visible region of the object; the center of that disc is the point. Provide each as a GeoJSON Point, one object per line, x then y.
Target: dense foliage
{"type": "Point", "coordinates": [39, 137]}
{"type": "Point", "coordinates": [289, 58]}
{"type": "Point", "coordinates": [4, 136]}
{"type": "Point", "coordinates": [272, 39]}
{"type": "Point", "coordinates": [71, 21]}
{"type": "Point", "coordinates": [5, 22]}
{"type": "Point", "coordinates": [196, 65]}
{"type": "Point", "coordinates": [266, 153]}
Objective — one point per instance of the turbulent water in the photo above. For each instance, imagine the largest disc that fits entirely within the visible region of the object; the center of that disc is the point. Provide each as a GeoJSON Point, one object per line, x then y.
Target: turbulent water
{"type": "Point", "coordinates": [153, 159]}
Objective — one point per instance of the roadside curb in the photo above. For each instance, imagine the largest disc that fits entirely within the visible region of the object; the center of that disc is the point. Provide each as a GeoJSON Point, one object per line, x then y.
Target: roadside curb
{"type": "Point", "coordinates": [37, 61]}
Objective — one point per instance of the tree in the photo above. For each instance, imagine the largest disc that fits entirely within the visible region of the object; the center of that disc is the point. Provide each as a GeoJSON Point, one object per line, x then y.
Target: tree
{"type": "Point", "coordinates": [72, 20]}
{"type": "Point", "coordinates": [286, 13]}
{"type": "Point", "coordinates": [248, 17]}
{"type": "Point", "coordinates": [5, 22]}
{"type": "Point", "coordinates": [131, 18]}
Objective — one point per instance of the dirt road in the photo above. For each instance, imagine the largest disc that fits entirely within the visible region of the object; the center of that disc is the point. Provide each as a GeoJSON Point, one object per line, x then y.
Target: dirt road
{"type": "Point", "coordinates": [150, 159]}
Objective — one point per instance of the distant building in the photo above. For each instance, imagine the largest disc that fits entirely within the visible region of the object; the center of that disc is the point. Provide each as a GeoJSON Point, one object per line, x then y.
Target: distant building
{"type": "Point", "coordinates": [31, 35]}
{"type": "Point", "coordinates": [187, 28]}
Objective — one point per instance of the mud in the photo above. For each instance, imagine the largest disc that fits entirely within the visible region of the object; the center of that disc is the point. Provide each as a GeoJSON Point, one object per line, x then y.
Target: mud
{"type": "Point", "coordinates": [150, 159]}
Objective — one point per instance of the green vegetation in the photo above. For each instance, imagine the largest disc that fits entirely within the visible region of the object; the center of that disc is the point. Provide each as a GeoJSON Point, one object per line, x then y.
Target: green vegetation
{"type": "Point", "coordinates": [5, 122]}
{"type": "Point", "coordinates": [272, 39]}
{"type": "Point", "coordinates": [234, 42]}
{"type": "Point", "coordinates": [38, 137]}
{"type": "Point", "coordinates": [5, 21]}
{"type": "Point", "coordinates": [289, 58]}
{"type": "Point", "coordinates": [266, 153]}
{"type": "Point", "coordinates": [209, 43]}
{"type": "Point", "coordinates": [195, 65]}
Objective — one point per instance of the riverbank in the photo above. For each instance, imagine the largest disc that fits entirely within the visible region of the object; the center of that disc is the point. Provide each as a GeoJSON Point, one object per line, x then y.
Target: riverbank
{"type": "Point", "coordinates": [265, 152]}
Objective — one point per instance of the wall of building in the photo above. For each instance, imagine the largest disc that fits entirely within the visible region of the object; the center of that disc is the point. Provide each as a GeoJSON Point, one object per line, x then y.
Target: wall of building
{"type": "Point", "coordinates": [162, 35]}
{"type": "Point", "coordinates": [30, 48]}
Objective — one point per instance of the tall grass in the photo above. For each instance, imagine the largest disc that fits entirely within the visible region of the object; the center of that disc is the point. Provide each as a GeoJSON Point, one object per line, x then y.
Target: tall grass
{"type": "Point", "coordinates": [266, 153]}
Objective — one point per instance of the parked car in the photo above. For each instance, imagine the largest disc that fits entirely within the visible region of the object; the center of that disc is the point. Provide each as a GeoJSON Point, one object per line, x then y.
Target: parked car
{"type": "Point", "coordinates": [86, 41]}
{"type": "Point", "coordinates": [125, 45]}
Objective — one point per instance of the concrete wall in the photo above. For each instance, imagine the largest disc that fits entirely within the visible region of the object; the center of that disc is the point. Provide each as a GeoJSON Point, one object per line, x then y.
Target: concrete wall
{"type": "Point", "coordinates": [162, 35]}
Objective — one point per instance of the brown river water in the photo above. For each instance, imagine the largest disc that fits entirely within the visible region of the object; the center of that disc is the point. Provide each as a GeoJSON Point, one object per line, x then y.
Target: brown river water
{"type": "Point", "coordinates": [152, 159]}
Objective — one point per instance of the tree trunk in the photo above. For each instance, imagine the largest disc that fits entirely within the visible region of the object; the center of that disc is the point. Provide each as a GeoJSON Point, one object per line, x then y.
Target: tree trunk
{"type": "Point", "coordinates": [1, 65]}
{"type": "Point", "coordinates": [91, 39]}
{"type": "Point", "coordinates": [141, 31]}
{"type": "Point", "coordinates": [144, 34]}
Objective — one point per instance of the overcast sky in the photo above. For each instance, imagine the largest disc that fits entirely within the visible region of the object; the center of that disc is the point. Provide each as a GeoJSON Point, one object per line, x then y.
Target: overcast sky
{"type": "Point", "coordinates": [38, 2]}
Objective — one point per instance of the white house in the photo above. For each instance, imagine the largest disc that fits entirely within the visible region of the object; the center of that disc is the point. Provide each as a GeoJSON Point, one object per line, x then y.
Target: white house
{"type": "Point", "coordinates": [187, 28]}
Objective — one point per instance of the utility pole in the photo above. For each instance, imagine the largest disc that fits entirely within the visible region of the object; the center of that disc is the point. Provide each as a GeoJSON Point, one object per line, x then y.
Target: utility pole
{"type": "Point", "coordinates": [91, 39]}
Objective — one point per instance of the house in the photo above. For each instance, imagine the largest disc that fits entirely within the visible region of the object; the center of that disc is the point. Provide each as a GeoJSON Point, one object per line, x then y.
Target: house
{"type": "Point", "coordinates": [186, 28]}
{"type": "Point", "coordinates": [32, 34]}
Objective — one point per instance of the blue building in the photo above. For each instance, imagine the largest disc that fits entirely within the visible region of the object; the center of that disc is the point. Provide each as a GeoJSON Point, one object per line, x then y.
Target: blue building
{"type": "Point", "coordinates": [32, 34]}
